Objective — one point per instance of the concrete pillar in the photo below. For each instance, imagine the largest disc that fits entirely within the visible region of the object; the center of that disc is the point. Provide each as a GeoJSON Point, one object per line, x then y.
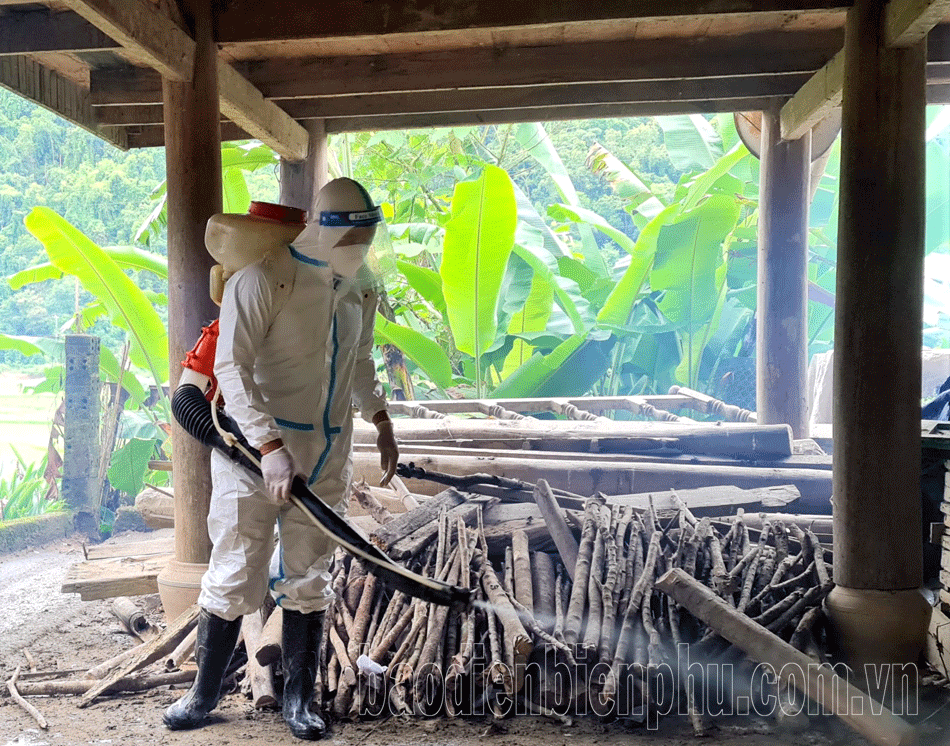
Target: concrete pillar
{"type": "Point", "coordinates": [193, 172]}
{"type": "Point", "coordinates": [81, 439]}
{"type": "Point", "coordinates": [782, 317]}
{"type": "Point", "coordinates": [300, 180]}
{"type": "Point", "coordinates": [879, 308]}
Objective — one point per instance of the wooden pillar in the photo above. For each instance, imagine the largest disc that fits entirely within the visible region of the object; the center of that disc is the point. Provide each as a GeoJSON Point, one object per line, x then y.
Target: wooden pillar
{"type": "Point", "coordinates": [193, 172]}
{"type": "Point", "coordinates": [879, 311]}
{"type": "Point", "coordinates": [81, 439]}
{"type": "Point", "coordinates": [782, 320]}
{"type": "Point", "coordinates": [300, 180]}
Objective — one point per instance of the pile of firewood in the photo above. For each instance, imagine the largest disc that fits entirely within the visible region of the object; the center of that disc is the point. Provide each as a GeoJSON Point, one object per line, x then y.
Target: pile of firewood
{"type": "Point", "coordinates": [568, 620]}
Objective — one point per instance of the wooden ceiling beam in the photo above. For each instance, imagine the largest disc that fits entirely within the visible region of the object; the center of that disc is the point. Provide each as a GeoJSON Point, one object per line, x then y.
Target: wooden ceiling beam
{"type": "Point", "coordinates": [155, 37]}
{"type": "Point", "coordinates": [245, 105]}
{"type": "Point", "coordinates": [27, 32]}
{"type": "Point", "coordinates": [822, 93]}
{"type": "Point", "coordinates": [906, 22]}
{"type": "Point", "coordinates": [153, 135]}
{"type": "Point", "coordinates": [276, 20]}
{"type": "Point", "coordinates": [652, 59]}
{"type": "Point", "coordinates": [817, 99]}
{"type": "Point", "coordinates": [543, 114]}
{"type": "Point", "coordinates": [524, 97]}
{"type": "Point", "coordinates": [29, 79]}
{"type": "Point", "coordinates": [146, 30]}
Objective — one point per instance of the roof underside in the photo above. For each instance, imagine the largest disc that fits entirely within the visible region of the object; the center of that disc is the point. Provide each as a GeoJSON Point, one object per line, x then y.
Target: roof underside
{"type": "Point", "coordinates": [409, 63]}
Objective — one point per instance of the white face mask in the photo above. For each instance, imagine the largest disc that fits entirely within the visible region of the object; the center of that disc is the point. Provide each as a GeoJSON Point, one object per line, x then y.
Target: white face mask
{"type": "Point", "coordinates": [347, 260]}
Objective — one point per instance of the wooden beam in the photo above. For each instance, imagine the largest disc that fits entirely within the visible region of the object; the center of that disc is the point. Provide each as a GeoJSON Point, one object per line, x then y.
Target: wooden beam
{"type": "Point", "coordinates": [245, 106]}
{"type": "Point", "coordinates": [253, 20]}
{"type": "Point", "coordinates": [816, 99]}
{"type": "Point", "coordinates": [26, 77]}
{"type": "Point", "coordinates": [594, 62]}
{"type": "Point", "coordinates": [153, 135]}
{"type": "Point", "coordinates": [543, 113]}
{"type": "Point", "coordinates": [906, 22]}
{"type": "Point", "coordinates": [26, 32]}
{"type": "Point", "coordinates": [142, 27]}
{"type": "Point", "coordinates": [129, 116]}
{"type": "Point", "coordinates": [521, 97]}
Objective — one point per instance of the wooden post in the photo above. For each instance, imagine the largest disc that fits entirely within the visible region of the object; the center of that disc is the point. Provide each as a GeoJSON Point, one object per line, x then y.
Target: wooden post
{"type": "Point", "coordinates": [193, 168]}
{"type": "Point", "coordinates": [81, 434]}
{"type": "Point", "coordinates": [878, 336]}
{"type": "Point", "coordinates": [300, 180]}
{"type": "Point", "coordinates": [782, 322]}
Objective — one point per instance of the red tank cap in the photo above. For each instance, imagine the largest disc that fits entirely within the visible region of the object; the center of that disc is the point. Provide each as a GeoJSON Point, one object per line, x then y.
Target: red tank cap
{"type": "Point", "coordinates": [280, 213]}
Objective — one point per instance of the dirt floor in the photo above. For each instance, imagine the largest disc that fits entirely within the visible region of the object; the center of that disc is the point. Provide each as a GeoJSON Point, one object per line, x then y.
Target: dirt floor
{"type": "Point", "coordinates": [62, 632]}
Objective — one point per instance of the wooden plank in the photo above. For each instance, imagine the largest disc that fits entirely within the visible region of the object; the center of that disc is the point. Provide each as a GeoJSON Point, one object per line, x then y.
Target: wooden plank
{"type": "Point", "coordinates": [138, 549]}
{"type": "Point", "coordinates": [145, 29]}
{"type": "Point", "coordinates": [816, 99]}
{"type": "Point", "coordinates": [108, 578]}
{"type": "Point", "coordinates": [657, 91]}
{"type": "Point", "coordinates": [245, 106]}
{"type": "Point", "coordinates": [543, 114]}
{"type": "Point", "coordinates": [28, 78]}
{"type": "Point", "coordinates": [594, 62]}
{"type": "Point", "coordinates": [32, 31]}
{"type": "Point", "coordinates": [907, 22]}
{"type": "Point", "coordinates": [129, 116]}
{"type": "Point", "coordinates": [252, 20]}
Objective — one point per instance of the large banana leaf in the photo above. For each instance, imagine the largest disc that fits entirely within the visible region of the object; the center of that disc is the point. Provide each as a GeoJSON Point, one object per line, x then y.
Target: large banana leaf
{"type": "Point", "coordinates": [426, 282]}
{"type": "Point", "coordinates": [583, 216]}
{"type": "Point", "coordinates": [534, 139]}
{"type": "Point", "coordinates": [688, 253]}
{"type": "Point", "coordinates": [619, 303]}
{"type": "Point", "coordinates": [425, 353]}
{"type": "Point", "coordinates": [626, 184]}
{"type": "Point", "coordinates": [478, 241]}
{"type": "Point", "coordinates": [566, 292]}
{"type": "Point", "coordinates": [702, 184]}
{"type": "Point", "coordinates": [531, 223]}
{"type": "Point", "coordinates": [569, 370]}
{"type": "Point", "coordinates": [73, 253]}
{"type": "Point", "coordinates": [691, 141]}
{"type": "Point", "coordinates": [127, 257]}
{"type": "Point", "coordinates": [694, 340]}
{"type": "Point", "coordinates": [533, 317]}
{"type": "Point", "coordinates": [109, 371]}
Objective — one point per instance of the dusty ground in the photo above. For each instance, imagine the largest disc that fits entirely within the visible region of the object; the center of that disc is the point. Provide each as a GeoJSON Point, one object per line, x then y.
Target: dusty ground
{"type": "Point", "coordinates": [63, 632]}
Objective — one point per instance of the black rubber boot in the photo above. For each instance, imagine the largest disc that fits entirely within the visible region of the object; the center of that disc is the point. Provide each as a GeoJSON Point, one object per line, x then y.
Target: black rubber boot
{"type": "Point", "coordinates": [213, 649]}
{"type": "Point", "coordinates": [300, 642]}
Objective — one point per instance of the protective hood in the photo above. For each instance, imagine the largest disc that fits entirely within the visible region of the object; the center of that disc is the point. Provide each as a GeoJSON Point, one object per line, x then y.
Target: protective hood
{"type": "Point", "coordinates": [348, 234]}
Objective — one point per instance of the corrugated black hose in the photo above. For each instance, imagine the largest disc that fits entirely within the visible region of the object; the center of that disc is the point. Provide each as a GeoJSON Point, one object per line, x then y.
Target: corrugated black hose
{"type": "Point", "coordinates": [193, 412]}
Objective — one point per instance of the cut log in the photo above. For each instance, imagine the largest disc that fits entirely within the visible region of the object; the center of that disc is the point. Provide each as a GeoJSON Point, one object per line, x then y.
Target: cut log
{"type": "Point", "coordinates": [150, 653]}
{"type": "Point", "coordinates": [268, 646]}
{"type": "Point", "coordinates": [261, 677]}
{"type": "Point", "coordinates": [427, 513]}
{"type": "Point", "coordinates": [523, 587]}
{"type": "Point", "coordinates": [157, 507]}
{"type": "Point", "coordinates": [821, 684]}
{"type": "Point", "coordinates": [543, 588]}
{"type": "Point", "coordinates": [414, 542]}
{"type": "Point", "coordinates": [133, 618]}
{"type": "Point", "coordinates": [554, 520]}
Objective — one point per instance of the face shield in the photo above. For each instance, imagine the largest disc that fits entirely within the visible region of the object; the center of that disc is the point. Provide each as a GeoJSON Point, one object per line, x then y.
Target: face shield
{"type": "Point", "coordinates": [359, 246]}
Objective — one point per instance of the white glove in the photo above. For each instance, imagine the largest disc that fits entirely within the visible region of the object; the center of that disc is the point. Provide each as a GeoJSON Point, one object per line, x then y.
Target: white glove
{"type": "Point", "coordinates": [388, 451]}
{"type": "Point", "coordinates": [278, 469]}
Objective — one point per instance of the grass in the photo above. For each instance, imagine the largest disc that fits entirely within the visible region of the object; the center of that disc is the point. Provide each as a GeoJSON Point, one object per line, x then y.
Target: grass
{"type": "Point", "coordinates": [25, 421]}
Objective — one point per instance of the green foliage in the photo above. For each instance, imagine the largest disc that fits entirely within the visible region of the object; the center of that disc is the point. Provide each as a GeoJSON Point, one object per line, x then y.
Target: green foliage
{"type": "Point", "coordinates": [129, 464]}
{"type": "Point", "coordinates": [23, 493]}
{"type": "Point", "coordinates": [73, 253]}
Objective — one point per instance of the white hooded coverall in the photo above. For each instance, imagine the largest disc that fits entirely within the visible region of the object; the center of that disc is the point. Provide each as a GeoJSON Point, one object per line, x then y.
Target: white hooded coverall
{"type": "Point", "coordinates": [293, 354]}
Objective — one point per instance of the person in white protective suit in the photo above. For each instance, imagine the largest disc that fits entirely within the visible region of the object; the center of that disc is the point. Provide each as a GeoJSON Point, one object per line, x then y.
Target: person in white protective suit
{"type": "Point", "coordinates": [294, 353]}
